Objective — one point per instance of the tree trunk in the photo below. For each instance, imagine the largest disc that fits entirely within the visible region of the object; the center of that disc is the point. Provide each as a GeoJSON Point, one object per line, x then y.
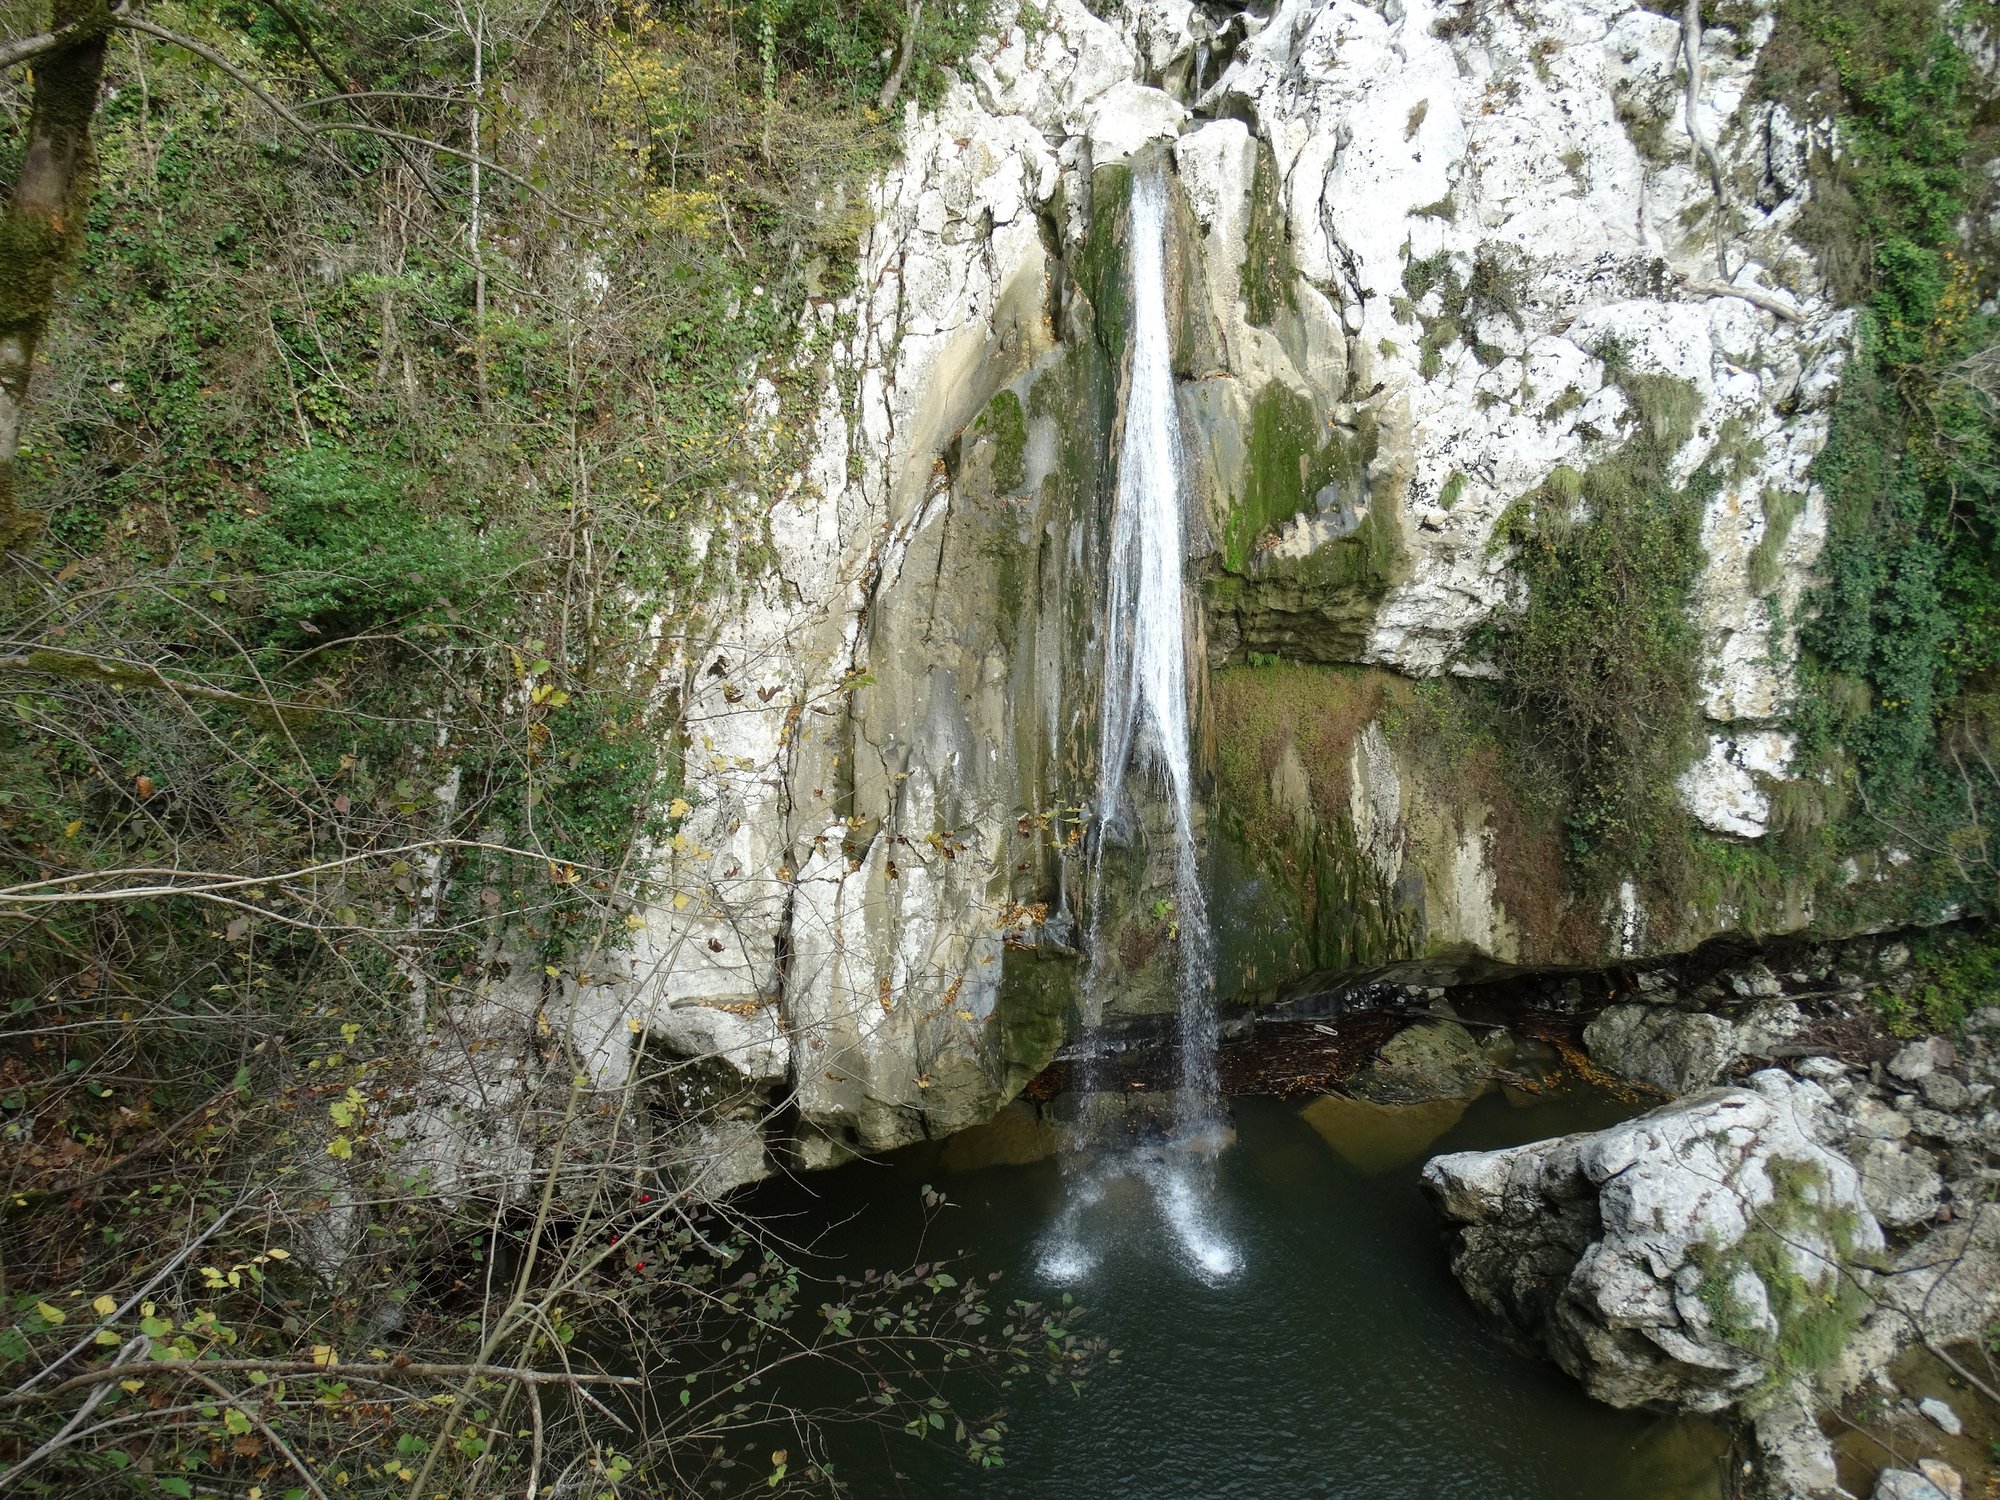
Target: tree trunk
{"type": "Point", "coordinates": [43, 225]}
{"type": "Point", "coordinates": [894, 85]}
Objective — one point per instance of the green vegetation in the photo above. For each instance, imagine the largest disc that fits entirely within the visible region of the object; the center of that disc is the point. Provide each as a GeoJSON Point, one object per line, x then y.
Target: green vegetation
{"type": "Point", "coordinates": [1604, 660]}
{"type": "Point", "coordinates": [1289, 463]}
{"type": "Point", "coordinates": [1902, 631]}
{"type": "Point", "coordinates": [1268, 272]}
{"type": "Point", "coordinates": [385, 500]}
{"type": "Point", "coordinates": [1301, 895]}
{"type": "Point", "coordinates": [1782, 509]}
{"type": "Point", "coordinates": [1006, 423]}
{"type": "Point", "coordinates": [1957, 972]}
{"type": "Point", "coordinates": [1490, 288]}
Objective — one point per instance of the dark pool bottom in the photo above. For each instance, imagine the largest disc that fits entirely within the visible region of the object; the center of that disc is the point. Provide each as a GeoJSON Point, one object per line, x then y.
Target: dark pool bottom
{"type": "Point", "coordinates": [1340, 1360]}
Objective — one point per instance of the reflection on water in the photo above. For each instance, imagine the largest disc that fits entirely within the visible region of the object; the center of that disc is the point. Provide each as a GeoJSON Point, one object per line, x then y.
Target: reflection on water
{"type": "Point", "coordinates": [1340, 1360]}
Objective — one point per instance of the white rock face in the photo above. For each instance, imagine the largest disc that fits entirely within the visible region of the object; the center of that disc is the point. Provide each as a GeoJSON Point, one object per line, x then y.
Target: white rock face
{"type": "Point", "coordinates": [1618, 1253]}
{"type": "Point", "coordinates": [1127, 116]}
{"type": "Point", "coordinates": [1506, 144]}
{"type": "Point", "coordinates": [1723, 790]}
{"type": "Point", "coordinates": [857, 752]}
{"type": "Point", "coordinates": [1901, 1183]}
{"type": "Point", "coordinates": [880, 1013]}
{"type": "Point", "coordinates": [1678, 1051]}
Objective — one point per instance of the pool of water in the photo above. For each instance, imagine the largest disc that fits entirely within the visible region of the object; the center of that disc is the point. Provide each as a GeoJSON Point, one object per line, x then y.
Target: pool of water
{"type": "Point", "coordinates": [1337, 1358]}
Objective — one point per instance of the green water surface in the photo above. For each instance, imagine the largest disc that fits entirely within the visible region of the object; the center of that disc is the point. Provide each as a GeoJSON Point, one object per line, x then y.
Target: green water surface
{"type": "Point", "coordinates": [1340, 1360]}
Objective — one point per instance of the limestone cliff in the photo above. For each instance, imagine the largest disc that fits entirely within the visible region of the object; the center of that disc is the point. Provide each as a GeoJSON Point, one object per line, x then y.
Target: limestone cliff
{"type": "Point", "coordinates": [1425, 261]}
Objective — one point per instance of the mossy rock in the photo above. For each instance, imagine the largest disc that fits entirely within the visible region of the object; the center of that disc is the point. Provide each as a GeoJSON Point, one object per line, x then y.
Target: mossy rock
{"type": "Point", "coordinates": [1431, 1060]}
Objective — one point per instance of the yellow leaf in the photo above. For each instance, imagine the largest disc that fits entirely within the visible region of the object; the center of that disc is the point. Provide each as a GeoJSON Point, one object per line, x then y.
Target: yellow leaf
{"type": "Point", "coordinates": [323, 1355]}
{"type": "Point", "coordinates": [107, 1338]}
{"type": "Point", "coordinates": [73, 829]}
{"type": "Point", "coordinates": [279, 1254]}
{"type": "Point", "coordinates": [632, 1025]}
{"type": "Point", "coordinates": [680, 900]}
{"type": "Point", "coordinates": [634, 921]}
{"type": "Point", "coordinates": [51, 1314]}
{"type": "Point", "coordinates": [340, 1148]}
{"type": "Point", "coordinates": [680, 807]}
{"type": "Point", "coordinates": [131, 1387]}
{"type": "Point", "coordinates": [104, 1307]}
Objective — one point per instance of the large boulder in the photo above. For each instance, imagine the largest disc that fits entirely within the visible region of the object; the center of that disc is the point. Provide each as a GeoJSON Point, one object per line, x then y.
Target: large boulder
{"type": "Point", "coordinates": [1680, 1051]}
{"type": "Point", "coordinates": [1431, 1060]}
{"type": "Point", "coordinates": [1684, 1259]}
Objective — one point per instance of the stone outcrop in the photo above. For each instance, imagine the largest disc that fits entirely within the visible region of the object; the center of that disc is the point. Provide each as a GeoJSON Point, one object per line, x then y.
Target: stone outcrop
{"type": "Point", "coordinates": [1689, 1257]}
{"type": "Point", "coordinates": [1686, 1258]}
{"type": "Point", "coordinates": [1679, 1050]}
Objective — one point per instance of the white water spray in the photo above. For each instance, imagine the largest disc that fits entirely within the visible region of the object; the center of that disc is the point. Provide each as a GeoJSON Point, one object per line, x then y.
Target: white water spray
{"type": "Point", "coordinates": [1144, 732]}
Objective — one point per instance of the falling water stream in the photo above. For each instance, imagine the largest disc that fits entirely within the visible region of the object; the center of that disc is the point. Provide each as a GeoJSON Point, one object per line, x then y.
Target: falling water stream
{"type": "Point", "coordinates": [1144, 746]}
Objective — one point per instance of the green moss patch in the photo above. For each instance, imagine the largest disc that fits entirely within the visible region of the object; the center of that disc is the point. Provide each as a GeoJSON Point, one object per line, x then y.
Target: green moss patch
{"type": "Point", "coordinates": [1007, 424]}
{"type": "Point", "coordinates": [1268, 270]}
{"type": "Point", "coordinates": [1815, 1314]}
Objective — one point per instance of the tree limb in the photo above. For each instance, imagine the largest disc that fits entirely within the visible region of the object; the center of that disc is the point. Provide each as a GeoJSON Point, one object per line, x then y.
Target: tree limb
{"type": "Point", "coordinates": [1770, 302]}
{"type": "Point", "coordinates": [28, 48]}
{"type": "Point", "coordinates": [136, 1345]}
{"type": "Point", "coordinates": [262, 1426]}
{"type": "Point", "coordinates": [209, 55]}
{"type": "Point", "coordinates": [120, 673]}
{"type": "Point", "coordinates": [276, 1367]}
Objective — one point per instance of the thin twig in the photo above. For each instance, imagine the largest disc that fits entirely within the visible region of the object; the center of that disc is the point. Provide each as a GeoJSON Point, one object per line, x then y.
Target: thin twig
{"type": "Point", "coordinates": [264, 1427]}
{"type": "Point", "coordinates": [134, 1346]}
{"type": "Point", "coordinates": [333, 1370]}
{"type": "Point", "coordinates": [90, 1338]}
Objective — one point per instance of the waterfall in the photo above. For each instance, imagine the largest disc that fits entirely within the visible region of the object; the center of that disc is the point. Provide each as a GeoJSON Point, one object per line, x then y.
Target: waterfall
{"type": "Point", "coordinates": [1144, 744]}
{"type": "Point", "coordinates": [1145, 711]}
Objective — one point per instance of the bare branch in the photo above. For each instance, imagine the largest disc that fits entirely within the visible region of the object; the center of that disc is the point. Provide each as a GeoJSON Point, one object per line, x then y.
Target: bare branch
{"type": "Point", "coordinates": [403, 1369]}
{"type": "Point", "coordinates": [121, 673]}
{"type": "Point", "coordinates": [28, 48]}
{"type": "Point", "coordinates": [262, 1426]}
{"type": "Point", "coordinates": [171, 882]}
{"type": "Point", "coordinates": [137, 1345]}
{"type": "Point", "coordinates": [1770, 302]}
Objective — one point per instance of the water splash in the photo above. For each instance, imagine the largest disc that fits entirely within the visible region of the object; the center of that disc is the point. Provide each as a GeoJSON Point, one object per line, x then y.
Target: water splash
{"type": "Point", "coordinates": [1144, 738]}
